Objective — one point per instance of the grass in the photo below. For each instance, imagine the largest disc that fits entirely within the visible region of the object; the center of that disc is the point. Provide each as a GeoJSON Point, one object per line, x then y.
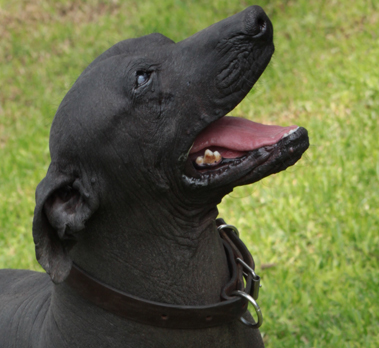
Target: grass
{"type": "Point", "coordinates": [312, 229]}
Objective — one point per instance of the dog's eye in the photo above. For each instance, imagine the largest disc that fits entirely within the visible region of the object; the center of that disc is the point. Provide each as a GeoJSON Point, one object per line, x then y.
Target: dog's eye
{"type": "Point", "coordinates": [142, 77]}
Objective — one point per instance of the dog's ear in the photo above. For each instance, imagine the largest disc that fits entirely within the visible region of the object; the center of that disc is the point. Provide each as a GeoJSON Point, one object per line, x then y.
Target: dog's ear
{"type": "Point", "coordinates": [63, 206]}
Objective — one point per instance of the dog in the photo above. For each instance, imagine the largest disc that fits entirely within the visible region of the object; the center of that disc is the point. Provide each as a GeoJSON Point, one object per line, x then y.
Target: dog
{"type": "Point", "coordinates": [125, 219]}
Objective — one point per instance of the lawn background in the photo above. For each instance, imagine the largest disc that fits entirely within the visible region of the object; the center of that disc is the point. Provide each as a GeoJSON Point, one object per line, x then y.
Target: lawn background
{"type": "Point", "coordinates": [313, 229]}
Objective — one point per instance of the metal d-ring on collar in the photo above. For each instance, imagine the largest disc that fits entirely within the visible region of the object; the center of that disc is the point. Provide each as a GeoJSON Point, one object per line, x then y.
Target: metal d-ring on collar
{"type": "Point", "coordinates": [229, 227]}
{"type": "Point", "coordinates": [235, 295]}
{"type": "Point", "coordinates": [251, 291]}
{"type": "Point", "coordinates": [256, 307]}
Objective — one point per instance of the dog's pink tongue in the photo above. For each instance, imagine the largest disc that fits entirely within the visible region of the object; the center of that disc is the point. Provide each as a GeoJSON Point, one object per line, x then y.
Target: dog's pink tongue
{"type": "Point", "coordinates": [238, 134]}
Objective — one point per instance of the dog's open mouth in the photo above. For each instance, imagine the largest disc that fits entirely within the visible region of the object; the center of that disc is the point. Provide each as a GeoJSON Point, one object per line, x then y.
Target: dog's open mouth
{"type": "Point", "coordinates": [231, 138]}
{"type": "Point", "coordinates": [237, 150]}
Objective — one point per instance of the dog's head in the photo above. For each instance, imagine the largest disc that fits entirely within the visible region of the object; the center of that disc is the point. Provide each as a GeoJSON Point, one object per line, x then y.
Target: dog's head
{"type": "Point", "coordinates": [136, 125]}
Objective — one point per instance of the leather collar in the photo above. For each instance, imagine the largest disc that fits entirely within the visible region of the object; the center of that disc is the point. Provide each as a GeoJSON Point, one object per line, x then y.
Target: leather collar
{"type": "Point", "coordinates": [229, 309]}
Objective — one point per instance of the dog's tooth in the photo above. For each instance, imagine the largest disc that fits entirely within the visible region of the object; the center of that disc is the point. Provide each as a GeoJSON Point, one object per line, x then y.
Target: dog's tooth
{"type": "Point", "coordinates": [208, 153]}
{"type": "Point", "coordinates": [209, 159]}
{"type": "Point", "coordinates": [217, 156]}
{"type": "Point", "coordinates": [200, 160]}
{"type": "Point", "coordinates": [212, 157]}
{"type": "Point", "coordinates": [208, 156]}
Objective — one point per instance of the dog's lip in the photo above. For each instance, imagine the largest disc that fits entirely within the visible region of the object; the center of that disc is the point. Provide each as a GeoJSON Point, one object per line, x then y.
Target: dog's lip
{"type": "Point", "coordinates": [276, 157]}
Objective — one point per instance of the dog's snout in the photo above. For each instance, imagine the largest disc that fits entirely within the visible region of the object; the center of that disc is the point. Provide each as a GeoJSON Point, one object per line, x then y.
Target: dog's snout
{"type": "Point", "coordinates": [257, 24]}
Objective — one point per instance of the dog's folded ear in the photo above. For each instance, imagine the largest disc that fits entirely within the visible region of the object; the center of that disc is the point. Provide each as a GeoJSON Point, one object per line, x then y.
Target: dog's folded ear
{"type": "Point", "coordinates": [63, 205]}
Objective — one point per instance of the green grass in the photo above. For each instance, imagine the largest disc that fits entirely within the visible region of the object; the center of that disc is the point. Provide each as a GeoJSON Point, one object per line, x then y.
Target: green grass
{"type": "Point", "coordinates": [316, 224]}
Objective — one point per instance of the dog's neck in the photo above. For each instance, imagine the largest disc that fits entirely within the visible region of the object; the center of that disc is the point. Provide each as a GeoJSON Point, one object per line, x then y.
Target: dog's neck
{"type": "Point", "coordinates": [157, 258]}
{"type": "Point", "coordinates": [171, 261]}
{"type": "Point", "coordinates": [158, 253]}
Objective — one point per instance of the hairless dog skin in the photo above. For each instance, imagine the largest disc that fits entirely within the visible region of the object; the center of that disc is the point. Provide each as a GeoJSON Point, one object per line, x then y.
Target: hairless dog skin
{"type": "Point", "coordinates": [141, 155]}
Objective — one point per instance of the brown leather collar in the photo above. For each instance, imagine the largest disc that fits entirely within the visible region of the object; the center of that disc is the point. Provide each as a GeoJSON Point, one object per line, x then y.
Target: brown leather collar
{"type": "Point", "coordinates": [229, 309]}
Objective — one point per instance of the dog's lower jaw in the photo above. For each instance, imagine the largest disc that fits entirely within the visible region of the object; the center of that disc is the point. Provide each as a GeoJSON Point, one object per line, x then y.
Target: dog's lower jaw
{"type": "Point", "coordinates": [251, 167]}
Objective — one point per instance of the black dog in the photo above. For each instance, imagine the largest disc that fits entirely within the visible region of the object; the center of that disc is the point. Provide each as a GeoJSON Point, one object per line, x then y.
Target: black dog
{"type": "Point", "coordinates": [141, 154]}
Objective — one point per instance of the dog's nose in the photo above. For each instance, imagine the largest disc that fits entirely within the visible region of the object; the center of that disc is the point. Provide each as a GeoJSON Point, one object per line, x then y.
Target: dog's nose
{"type": "Point", "coordinates": [257, 24]}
